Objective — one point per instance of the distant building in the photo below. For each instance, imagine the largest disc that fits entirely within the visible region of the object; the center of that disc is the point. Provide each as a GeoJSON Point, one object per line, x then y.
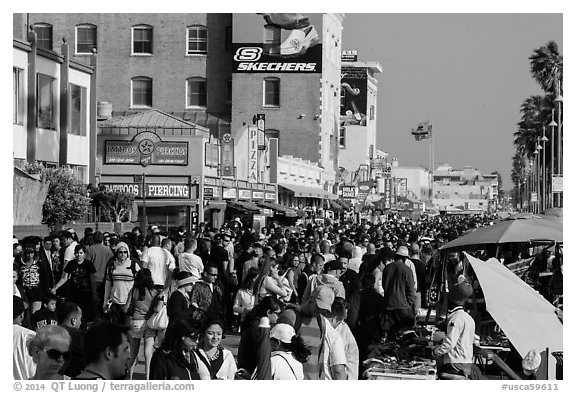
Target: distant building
{"type": "Point", "coordinates": [464, 189]}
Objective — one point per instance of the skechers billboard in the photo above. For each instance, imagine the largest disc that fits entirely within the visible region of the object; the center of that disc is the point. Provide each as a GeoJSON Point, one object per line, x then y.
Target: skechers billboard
{"type": "Point", "coordinates": [252, 58]}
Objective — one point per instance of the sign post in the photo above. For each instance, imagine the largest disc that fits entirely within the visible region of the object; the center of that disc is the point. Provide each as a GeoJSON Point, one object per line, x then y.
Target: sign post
{"type": "Point", "coordinates": [142, 179]}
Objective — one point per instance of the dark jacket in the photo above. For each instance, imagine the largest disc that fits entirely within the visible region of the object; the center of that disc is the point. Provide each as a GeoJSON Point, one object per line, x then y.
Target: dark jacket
{"type": "Point", "coordinates": [75, 363]}
{"type": "Point", "coordinates": [168, 365]}
{"type": "Point", "coordinates": [398, 285]}
{"type": "Point", "coordinates": [178, 307]}
{"type": "Point", "coordinates": [351, 282]}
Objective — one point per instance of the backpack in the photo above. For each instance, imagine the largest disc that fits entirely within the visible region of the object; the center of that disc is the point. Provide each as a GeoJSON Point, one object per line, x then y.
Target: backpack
{"type": "Point", "coordinates": [110, 267]}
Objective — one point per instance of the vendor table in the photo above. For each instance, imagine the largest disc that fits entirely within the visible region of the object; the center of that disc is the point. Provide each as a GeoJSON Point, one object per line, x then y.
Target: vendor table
{"type": "Point", "coordinates": [381, 375]}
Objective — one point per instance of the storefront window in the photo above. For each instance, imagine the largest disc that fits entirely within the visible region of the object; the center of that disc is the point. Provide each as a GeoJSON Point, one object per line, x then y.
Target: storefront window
{"type": "Point", "coordinates": [166, 216]}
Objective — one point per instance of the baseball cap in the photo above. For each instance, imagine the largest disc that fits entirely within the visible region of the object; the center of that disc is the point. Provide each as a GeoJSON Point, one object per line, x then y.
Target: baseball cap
{"type": "Point", "coordinates": [333, 265]}
{"type": "Point", "coordinates": [323, 295]}
{"type": "Point", "coordinates": [402, 251]}
{"type": "Point", "coordinates": [282, 332]}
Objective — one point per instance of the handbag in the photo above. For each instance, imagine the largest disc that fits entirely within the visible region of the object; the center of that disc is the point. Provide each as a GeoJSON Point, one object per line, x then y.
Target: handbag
{"type": "Point", "coordinates": [159, 319]}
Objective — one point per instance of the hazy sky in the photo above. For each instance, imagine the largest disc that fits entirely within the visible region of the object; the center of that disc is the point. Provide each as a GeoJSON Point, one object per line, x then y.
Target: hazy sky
{"type": "Point", "coordinates": [467, 73]}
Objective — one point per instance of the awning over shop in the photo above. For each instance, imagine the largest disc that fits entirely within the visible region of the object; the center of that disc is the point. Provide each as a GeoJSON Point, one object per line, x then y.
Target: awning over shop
{"type": "Point", "coordinates": [339, 205]}
{"type": "Point", "coordinates": [280, 209]}
{"type": "Point", "coordinates": [308, 192]}
{"type": "Point", "coordinates": [216, 205]}
{"type": "Point", "coordinates": [164, 202]}
{"type": "Point", "coordinates": [244, 207]}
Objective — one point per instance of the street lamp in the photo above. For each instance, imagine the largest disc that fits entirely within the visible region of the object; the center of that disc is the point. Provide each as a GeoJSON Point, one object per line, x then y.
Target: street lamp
{"type": "Point", "coordinates": [558, 100]}
{"type": "Point", "coordinates": [537, 176]}
{"type": "Point", "coordinates": [552, 124]}
{"type": "Point", "coordinates": [544, 189]}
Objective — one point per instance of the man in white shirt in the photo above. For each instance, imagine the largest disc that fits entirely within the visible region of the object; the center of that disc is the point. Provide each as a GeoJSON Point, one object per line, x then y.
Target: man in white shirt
{"type": "Point", "coordinates": [70, 245]}
{"type": "Point", "coordinates": [160, 262]}
{"type": "Point", "coordinates": [23, 366]}
{"type": "Point", "coordinates": [190, 262]}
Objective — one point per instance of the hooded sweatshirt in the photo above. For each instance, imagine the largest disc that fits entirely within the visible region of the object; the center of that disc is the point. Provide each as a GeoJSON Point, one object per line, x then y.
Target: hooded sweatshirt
{"type": "Point", "coordinates": [120, 277]}
{"type": "Point", "coordinates": [323, 279]}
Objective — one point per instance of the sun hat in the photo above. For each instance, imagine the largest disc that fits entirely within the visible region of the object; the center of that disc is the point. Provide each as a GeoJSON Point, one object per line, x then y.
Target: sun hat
{"type": "Point", "coordinates": [282, 332]}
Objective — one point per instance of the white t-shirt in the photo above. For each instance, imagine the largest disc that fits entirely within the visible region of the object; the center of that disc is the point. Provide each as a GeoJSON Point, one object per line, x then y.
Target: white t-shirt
{"type": "Point", "coordinates": [69, 253]}
{"type": "Point", "coordinates": [160, 262]}
{"type": "Point", "coordinates": [190, 262]}
{"type": "Point", "coordinates": [24, 366]}
{"type": "Point", "coordinates": [284, 367]}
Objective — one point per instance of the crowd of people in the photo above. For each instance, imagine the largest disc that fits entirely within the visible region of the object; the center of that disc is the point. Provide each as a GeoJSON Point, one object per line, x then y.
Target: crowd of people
{"type": "Point", "coordinates": [306, 300]}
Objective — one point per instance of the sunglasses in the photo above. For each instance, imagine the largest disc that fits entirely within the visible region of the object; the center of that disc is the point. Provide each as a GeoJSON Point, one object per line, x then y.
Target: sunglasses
{"type": "Point", "coordinates": [55, 354]}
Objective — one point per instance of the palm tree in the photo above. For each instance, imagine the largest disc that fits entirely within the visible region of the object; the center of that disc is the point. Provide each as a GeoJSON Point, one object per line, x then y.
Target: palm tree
{"type": "Point", "coordinates": [546, 66]}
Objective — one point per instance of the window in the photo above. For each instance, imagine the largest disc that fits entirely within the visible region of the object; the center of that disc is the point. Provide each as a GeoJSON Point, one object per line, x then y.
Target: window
{"type": "Point", "coordinates": [196, 92]}
{"type": "Point", "coordinates": [142, 40]}
{"type": "Point", "coordinates": [85, 39]}
{"type": "Point", "coordinates": [228, 91]}
{"type": "Point", "coordinates": [43, 35]}
{"type": "Point", "coordinates": [271, 92]}
{"type": "Point", "coordinates": [142, 91]}
{"type": "Point", "coordinates": [272, 36]}
{"type": "Point", "coordinates": [228, 38]}
{"type": "Point", "coordinates": [78, 99]}
{"type": "Point", "coordinates": [18, 96]}
{"type": "Point", "coordinates": [371, 112]}
{"type": "Point", "coordinates": [342, 101]}
{"type": "Point", "coordinates": [79, 171]}
{"type": "Point", "coordinates": [342, 137]}
{"type": "Point", "coordinates": [197, 38]}
{"type": "Point", "coordinates": [45, 94]}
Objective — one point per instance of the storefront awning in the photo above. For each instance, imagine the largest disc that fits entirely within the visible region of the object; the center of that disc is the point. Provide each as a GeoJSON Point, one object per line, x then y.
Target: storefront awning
{"type": "Point", "coordinates": [280, 209]}
{"type": "Point", "coordinates": [164, 202]}
{"type": "Point", "coordinates": [216, 205]}
{"type": "Point", "coordinates": [308, 192]}
{"type": "Point", "coordinates": [244, 207]}
{"type": "Point", "coordinates": [339, 205]}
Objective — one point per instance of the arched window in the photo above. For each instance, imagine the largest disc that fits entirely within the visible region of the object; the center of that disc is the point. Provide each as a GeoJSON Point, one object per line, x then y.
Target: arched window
{"type": "Point", "coordinates": [86, 39]}
{"type": "Point", "coordinates": [271, 92]}
{"type": "Point", "coordinates": [196, 95]}
{"type": "Point", "coordinates": [43, 35]}
{"type": "Point", "coordinates": [196, 40]}
{"type": "Point", "coordinates": [141, 87]}
{"type": "Point", "coordinates": [142, 39]}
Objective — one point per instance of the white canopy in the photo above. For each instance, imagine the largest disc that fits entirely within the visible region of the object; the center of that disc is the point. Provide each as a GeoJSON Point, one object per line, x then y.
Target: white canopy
{"type": "Point", "coordinates": [528, 319]}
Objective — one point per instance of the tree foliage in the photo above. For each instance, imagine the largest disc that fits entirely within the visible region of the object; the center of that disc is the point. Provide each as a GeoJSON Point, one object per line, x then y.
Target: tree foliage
{"type": "Point", "coordinates": [113, 206]}
{"type": "Point", "coordinates": [67, 199]}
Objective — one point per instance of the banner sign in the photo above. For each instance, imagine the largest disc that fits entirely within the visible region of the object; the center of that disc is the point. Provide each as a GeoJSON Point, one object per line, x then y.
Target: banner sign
{"type": "Point", "coordinates": [244, 194]}
{"type": "Point", "coordinates": [261, 125]}
{"type": "Point", "coordinates": [557, 185]}
{"type": "Point", "coordinates": [401, 187]}
{"type": "Point", "coordinates": [229, 193]}
{"type": "Point", "coordinates": [354, 87]}
{"type": "Point", "coordinates": [387, 193]}
{"type": "Point", "coordinates": [252, 154]}
{"type": "Point", "coordinates": [258, 57]}
{"type": "Point", "coordinates": [227, 148]}
{"type": "Point", "coordinates": [364, 188]}
{"type": "Point", "coordinates": [212, 153]}
{"type": "Point", "coordinates": [257, 194]}
{"type": "Point", "coordinates": [155, 190]}
{"type": "Point", "coordinates": [146, 148]}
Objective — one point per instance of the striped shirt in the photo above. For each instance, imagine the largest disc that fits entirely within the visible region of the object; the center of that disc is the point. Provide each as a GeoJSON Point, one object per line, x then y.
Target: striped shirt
{"type": "Point", "coordinates": [122, 281]}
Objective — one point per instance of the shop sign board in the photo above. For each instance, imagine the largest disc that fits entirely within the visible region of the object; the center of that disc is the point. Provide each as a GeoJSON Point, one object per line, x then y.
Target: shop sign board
{"type": "Point", "coordinates": [229, 193]}
{"type": "Point", "coordinates": [257, 194]}
{"type": "Point", "coordinates": [270, 196]}
{"type": "Point", "coordinates": [208, 193]}
{"type": "Point", "coordinates": [259, 57]}
{"type": "Point", "coordinates": [146, 148]}
{"type": "Point", "coordinates": [387, 193]}
{"type": "Point", "coordinates": [534, 197]}
{"type": "Point", "coordinates": [348, 192]}
{"type": "Point", "coordinates": [212, 154]}
{"type": "Point", "coordinates": [244, 194]}
{"type": "Point", "coordinates": [401, 187]}
{"type": "Point", "coordinates": [155, 190]}
{"type": "Point", "coordinates": [364, 188]}
{"type": "Point", "coordinates": [261, 125]}
{"type": "Point", "coordinates": [252, 154]}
